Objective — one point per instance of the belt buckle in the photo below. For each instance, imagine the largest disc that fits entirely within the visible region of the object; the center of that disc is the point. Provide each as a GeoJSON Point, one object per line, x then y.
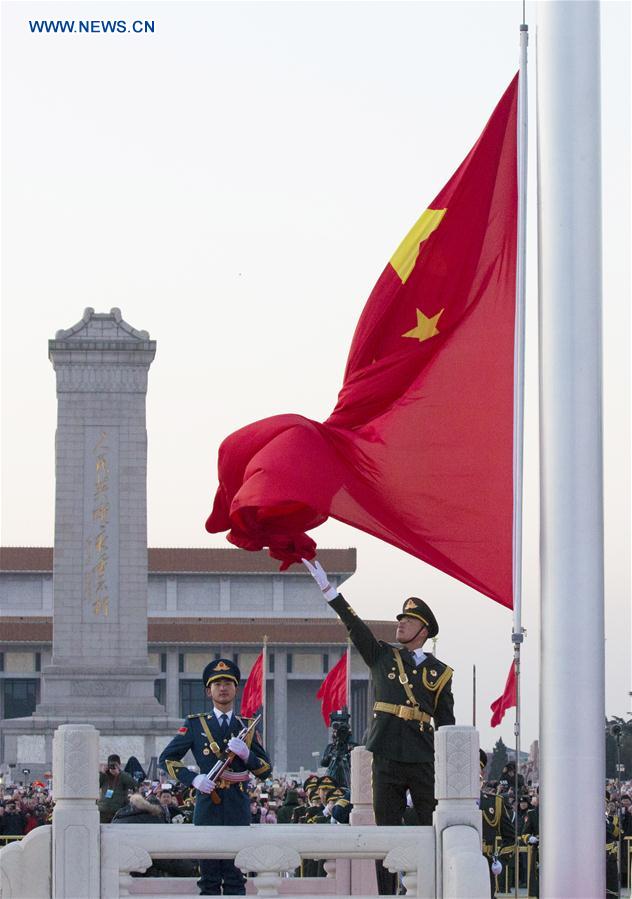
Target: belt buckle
{"type": "Point", "coordinates": [403, 679]}
{"type": "Point", "coordinates": [405, 713]}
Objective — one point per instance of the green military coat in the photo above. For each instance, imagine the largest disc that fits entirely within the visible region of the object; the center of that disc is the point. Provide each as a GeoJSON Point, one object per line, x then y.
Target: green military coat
{"type": "Point", "coordinates": [389, 736]}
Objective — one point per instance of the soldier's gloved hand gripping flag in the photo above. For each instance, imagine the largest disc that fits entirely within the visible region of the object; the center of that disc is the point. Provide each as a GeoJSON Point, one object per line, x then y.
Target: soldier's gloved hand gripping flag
{"type": "Point", "coordinates": [418, 450]}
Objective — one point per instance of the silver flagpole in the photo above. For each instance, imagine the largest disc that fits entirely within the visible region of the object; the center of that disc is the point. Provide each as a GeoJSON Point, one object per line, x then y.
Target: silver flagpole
{"type": "Point", "coordinates": [518, 432]}
{"type": "Point", "coordinates": [572, 707]}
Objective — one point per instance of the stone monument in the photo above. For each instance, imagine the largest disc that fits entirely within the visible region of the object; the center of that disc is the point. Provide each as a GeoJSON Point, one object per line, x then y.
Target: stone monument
{"type": "Point", "coordinates": [100, 672]}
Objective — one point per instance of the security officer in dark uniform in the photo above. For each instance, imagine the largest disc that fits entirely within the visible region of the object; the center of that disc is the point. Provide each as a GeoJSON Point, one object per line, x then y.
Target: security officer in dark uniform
{"type": "Point", "coordinates": [411, 688]}
{"type": "Point", "coordinates": [209, 737]}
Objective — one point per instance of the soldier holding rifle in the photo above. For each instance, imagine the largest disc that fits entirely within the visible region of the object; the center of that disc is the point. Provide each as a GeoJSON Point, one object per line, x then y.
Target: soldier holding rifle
{"type": "Point", "coordinates": [211, 738]}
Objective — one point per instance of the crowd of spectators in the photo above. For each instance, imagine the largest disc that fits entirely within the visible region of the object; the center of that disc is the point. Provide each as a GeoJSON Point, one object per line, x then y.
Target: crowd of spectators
{"type": "Point", "coordinates": [23, 808]}
{"type": "Point", "coordinates": [125, 799]}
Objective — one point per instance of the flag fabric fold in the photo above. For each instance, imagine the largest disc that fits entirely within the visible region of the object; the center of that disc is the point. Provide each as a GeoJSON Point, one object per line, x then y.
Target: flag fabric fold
{"type": "Point", "coordinates": [507, 700]}
{"type": "Point", "coordinates": [418, 450]}
{"type": "Point", "coordinates": [252, 697]}
{"type": "Point", "coordinates": [333, 690]}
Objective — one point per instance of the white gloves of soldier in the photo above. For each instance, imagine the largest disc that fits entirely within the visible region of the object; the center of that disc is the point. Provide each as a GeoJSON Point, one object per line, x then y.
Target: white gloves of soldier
{"type": "Point", "coordinates": [320, 576]}
{"type": "Point", "coordinates": [239, 748]}
{"type": "Point", "coordinates": [203, 784]}
{"type": "Point", "coordinates": [496, 867]}
{"type": "Point", "coordinates": [533, 840]}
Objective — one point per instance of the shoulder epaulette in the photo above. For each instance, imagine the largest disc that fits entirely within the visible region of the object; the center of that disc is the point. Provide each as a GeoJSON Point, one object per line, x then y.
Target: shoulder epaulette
{"type": "Point", "coordinates": [435, 676]}
{"type": "Point", "coordinates": [198, 715]}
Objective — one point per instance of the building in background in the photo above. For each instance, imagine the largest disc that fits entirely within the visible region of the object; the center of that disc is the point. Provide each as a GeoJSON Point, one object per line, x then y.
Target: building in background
{"type": "Point", "coordinates": [203, 603]}
{"type": "Point", "coordinates": [104, 631]}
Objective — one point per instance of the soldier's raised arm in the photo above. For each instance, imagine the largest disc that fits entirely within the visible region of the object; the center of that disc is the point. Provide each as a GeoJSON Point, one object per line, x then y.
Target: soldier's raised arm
{"type": "Point", "coordinates": [361, 635]}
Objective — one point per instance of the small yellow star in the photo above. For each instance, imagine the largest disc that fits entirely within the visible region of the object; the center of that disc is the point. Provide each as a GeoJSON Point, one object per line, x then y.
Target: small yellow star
{"type": "Point", "coordinates": [426, 327]}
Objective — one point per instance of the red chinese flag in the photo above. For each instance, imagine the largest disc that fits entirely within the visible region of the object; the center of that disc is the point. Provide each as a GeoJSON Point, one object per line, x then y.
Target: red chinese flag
{"type": "Point", "coordinates": [418, 450]}
{"type": "Point", "coordinates": [506, 701]}
{"type": "Point", "coordinates": [252, 697]}
{"type": "Point", "coordinates": [333, 690]}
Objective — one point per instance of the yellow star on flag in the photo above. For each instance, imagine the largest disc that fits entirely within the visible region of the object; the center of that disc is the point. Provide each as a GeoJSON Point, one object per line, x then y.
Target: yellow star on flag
{"type": "Point", "coordinates": [426, 327]}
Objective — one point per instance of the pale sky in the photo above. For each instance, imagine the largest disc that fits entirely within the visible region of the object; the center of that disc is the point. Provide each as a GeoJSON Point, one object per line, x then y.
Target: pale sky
{"type": "Point", "coordinates": [235, 182]}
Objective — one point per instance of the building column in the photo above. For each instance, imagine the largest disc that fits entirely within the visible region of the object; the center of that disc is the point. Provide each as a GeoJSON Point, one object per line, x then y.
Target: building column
{"type": "Point", "coordinates": [279, 757]}
{"type": "Point", "coordinates": [172, 685]}
{"type": "Point", "coordinates": [171, 595]}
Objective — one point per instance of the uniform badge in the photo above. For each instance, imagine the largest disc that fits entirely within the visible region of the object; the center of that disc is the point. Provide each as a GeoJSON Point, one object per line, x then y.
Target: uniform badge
{"type": "Point", "coordinates": [491, 810]}
{"type": "Point", "coordinates": [222, 666]}
{"type": "Point", "coordinates": [411, 604]}
{"type": "Point", "coordinates": [391, 675]}
{"type": "Point", "coordinates": [182, 730]}
{"type": "Point", "coordinates": [206, 751]}
{"type": "Point", "coordinates": [433, 673]}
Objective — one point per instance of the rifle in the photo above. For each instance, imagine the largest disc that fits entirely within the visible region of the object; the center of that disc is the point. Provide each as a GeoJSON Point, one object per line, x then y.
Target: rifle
{"type": "Point", "coordinates": [222, 764]}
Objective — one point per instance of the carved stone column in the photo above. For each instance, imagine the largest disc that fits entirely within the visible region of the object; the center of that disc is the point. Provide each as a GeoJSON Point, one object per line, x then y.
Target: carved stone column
{"type": "Point", "coordinates": [363, 877]}
{"type": "Point", "coordinates": [76, 827]}
{"type": "Point", "coordinates": [457, 785]}
{"type": "Point", "coordinates": [99, 667]}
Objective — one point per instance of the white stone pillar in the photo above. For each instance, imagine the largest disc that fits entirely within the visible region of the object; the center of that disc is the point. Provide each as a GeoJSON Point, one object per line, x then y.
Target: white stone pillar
{"type": "Point", "coordinates": [76, 826]}
{"type": "Point", "coordinates": [457, 786]}
{"type": "Point", "coordinates": [363, 877]}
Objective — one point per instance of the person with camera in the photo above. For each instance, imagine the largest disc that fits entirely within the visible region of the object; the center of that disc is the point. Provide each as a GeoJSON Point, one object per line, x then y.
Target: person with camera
{"type": "Point", "coordinates": [114, 786]}
{"type": "Point", "coordinates": [336, 755]}
{"type": "Point", "coordinates": [412, 688]}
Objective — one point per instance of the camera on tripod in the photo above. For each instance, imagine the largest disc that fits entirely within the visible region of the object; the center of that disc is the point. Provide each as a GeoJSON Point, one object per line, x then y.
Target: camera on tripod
{"type": "Point", "coordinates": [336, 755]}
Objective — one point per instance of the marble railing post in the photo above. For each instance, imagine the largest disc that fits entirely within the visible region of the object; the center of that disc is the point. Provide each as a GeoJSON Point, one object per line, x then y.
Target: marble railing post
{"type": "Point", "coordinates": [363, 877]}
{"type": "Point", "coordinates": [457, 786]}
{"type": "Point", "coordinates": [76, 826]}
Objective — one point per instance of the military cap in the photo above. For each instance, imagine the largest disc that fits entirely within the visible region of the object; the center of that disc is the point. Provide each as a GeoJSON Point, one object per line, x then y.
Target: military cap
{"type": "Point", "coordinates": [327, 783]}
{"type": "Point", "coordinates": [417, 608]}
{"type": "Point", "coordinates": [220, 669]}
{"type": "Point", "coordinates": [312, 780]}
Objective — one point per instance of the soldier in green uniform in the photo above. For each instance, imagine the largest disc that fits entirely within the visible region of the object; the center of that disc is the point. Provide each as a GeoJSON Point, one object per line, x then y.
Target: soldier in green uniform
{"type": "Point", "coordinates": [530, 834]}
{"type": "Point", "coordinates": [412, 688]}
{"type": "Point", "coordinates": [496, 823]}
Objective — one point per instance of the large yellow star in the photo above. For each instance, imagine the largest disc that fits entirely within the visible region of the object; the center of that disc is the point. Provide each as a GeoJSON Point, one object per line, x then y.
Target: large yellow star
{"type": "Point", "coordinates": [426, 327]}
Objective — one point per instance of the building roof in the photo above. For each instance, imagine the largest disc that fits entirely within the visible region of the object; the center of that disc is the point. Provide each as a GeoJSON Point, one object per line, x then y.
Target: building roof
{"type": "Point", "coordinates": [187, 560]}
{"type": "Point", "coordinates": [27, 629]}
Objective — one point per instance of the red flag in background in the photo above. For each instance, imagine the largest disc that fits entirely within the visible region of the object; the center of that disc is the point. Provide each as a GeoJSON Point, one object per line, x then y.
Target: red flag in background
{"type": "Point", "coordinates": [418, 451]}
{"type": "Point", "coordinates": [333, 690]}
{"type": "Point", "coordinates": [252, 697]}
{"type": "Point", "coordinates": [506, 701]}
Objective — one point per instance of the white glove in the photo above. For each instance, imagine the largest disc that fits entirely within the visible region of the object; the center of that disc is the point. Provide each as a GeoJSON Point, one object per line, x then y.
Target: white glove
{"type": "Point", "coordinates": [203, 784]}
{"type": "Point", "coordinates": [239, 748]}
{"type": "Point", "coordinates": [533, 840]}
{"type": "Point", "coordinates": [496, 867]}
{"type": "Point", "coordinates": [320, 576]}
